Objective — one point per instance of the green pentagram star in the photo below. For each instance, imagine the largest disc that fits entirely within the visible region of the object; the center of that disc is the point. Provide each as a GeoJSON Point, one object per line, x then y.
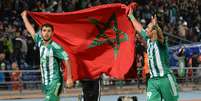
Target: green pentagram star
{"type": "Point", "coordinates": [102, 38]}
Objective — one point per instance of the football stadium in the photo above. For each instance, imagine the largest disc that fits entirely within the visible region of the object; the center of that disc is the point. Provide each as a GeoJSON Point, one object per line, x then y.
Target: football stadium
{"type": "Point", "coordinates": [100, 50]}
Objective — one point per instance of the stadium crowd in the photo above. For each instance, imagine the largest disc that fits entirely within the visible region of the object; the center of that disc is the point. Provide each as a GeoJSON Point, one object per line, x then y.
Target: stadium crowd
{"type": "Point", "coordinates": [180, 18]}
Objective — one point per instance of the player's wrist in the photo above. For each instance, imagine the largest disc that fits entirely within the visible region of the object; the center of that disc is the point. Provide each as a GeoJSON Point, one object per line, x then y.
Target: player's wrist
{"type": "Point", "coordinates": [132, 18]}
{"type": "Point", "coordinates": [24, 17]}
{"type": "Point", "coordinates": [69, 77]}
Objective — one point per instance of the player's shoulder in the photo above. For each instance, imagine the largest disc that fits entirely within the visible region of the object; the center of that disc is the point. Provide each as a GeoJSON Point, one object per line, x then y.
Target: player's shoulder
{"type": "Point", "coordinates": [55, 45]}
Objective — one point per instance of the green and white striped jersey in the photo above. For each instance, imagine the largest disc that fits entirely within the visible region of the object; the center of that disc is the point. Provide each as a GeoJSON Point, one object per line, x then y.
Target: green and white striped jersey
{"type": "Point", "coordinates": [157, 56]}
{"type": "Point", "coordinates": [50, 59]}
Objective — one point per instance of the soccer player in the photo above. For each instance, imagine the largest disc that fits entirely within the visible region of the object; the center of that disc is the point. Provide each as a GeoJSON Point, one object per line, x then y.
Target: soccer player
{"type": "Point", "coordinates": [162, 84]}
{"type": "Point", "coordinates": [51, 56]}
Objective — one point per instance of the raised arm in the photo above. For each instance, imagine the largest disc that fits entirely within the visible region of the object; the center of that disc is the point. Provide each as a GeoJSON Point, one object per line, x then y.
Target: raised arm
{"type": "Point", "coordinates": [160, 36]}
{"type": "Point", "coordinates": [27, 24]}
{"type": "Point", "coordinates": [138, 27]}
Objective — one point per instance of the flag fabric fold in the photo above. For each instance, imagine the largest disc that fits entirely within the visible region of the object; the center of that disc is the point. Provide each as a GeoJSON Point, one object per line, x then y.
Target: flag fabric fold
{"type": "Point", "coordinates": [98, 40]}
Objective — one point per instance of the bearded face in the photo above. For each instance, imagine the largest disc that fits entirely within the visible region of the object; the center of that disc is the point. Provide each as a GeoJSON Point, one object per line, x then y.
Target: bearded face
{"type": "Point", "coordinates": [46, 33]}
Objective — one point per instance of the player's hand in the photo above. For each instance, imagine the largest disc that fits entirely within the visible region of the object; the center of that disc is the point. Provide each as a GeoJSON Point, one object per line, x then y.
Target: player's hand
{"type": "Point", "coordinates": [69, 83]}
{"type": "Point", "coordinates": [55, 3]}
{"type": "Point", "coordinates": [24, 14]}
{"type": "Point", "coordinates": [130, 12]}
{"type": "Point", "coordinates": [154, 20]}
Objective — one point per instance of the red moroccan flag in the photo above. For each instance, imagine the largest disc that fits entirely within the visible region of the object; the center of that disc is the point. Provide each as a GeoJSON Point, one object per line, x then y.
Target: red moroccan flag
{"type": "Point", "coordinates": [98, 39]}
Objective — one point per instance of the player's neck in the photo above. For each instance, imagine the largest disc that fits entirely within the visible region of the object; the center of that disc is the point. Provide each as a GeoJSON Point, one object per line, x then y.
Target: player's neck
{"type": "Point", "coordinates": [46, 42]}
{"type": "Point", "coordinates": [153, 38]}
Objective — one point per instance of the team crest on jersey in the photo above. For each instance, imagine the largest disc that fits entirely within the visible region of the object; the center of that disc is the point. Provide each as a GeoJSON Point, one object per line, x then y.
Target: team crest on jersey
{"type": "Point", "coordinates": [149, 95]}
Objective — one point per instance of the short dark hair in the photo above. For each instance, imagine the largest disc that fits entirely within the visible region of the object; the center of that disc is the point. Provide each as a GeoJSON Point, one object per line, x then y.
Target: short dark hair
{"type": "Point", "coordinates": [47, 25]}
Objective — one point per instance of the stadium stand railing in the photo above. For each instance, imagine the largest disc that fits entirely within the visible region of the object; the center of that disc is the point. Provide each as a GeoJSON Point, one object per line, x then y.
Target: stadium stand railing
{"type": "Point", "coordinates": [31, 80]}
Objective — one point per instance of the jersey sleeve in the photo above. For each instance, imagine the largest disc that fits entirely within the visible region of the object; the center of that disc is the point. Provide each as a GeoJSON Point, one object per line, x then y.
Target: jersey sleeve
{"type": "Point", "coordinates": [143, 33]}
{"type": "Point", "coordinates": [164, 44]}
{"type": "Point", "coordinates": [59, 52]}
{"type": "Point", "coordinates": [37, 38]}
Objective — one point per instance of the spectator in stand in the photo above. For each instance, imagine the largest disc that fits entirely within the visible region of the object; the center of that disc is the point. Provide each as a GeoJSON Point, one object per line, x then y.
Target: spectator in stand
{"type": "Point", "coordinates": [2, 62]}
{"type": "Point", "coordinates": [171, 13]}
{"type": "Point", "coordinates": [198, 73]}
{"type": "Point", "coordinates": [199, 60]}
{"type": "Point", "coordinates": [15, 76]}
{"type": "Point", "coordinates": [189, 70]}
{"type": "Point", "coordinates": [183, 30]}
{"type": "Point", "coordinates": [8, 46]}
{"type": "Point", "coordinates": [2, 75]}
